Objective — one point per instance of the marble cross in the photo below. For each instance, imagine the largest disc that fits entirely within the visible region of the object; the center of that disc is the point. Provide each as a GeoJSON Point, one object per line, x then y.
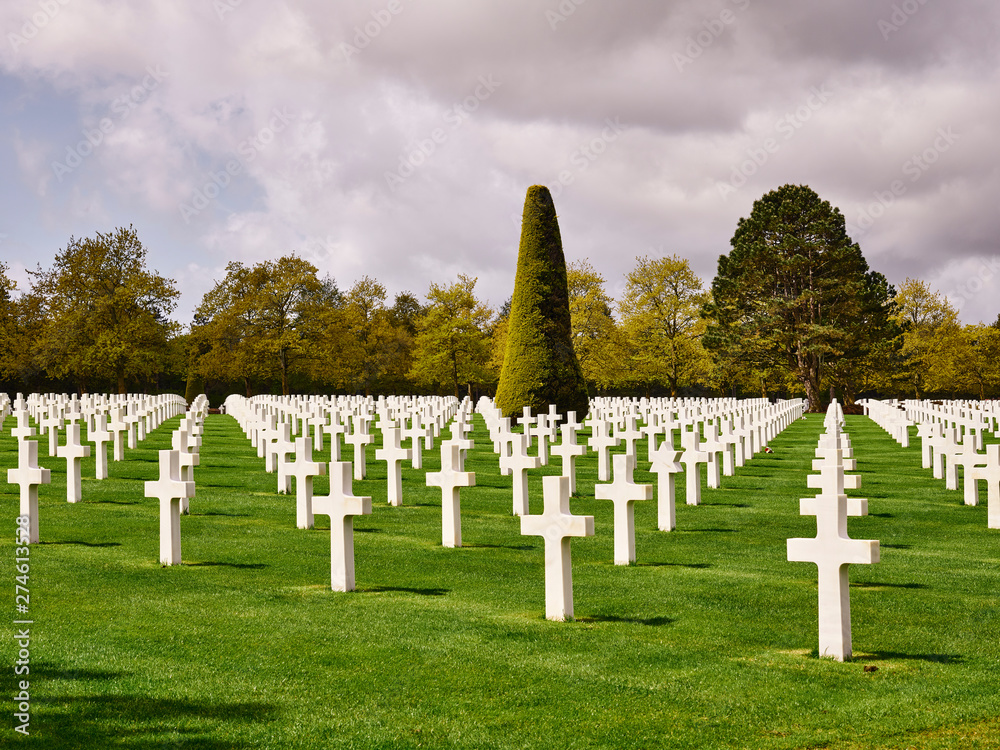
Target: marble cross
{"type": "Point", "coordinates": [691, 457]}
{"type": "Point", "coordinates": [28, 475]}
{"type": "Point", "coordinates": [360, 438]}
{"type": "Point", "coordinates": [556, 525]}
{"type": "Point", "coordinates": [832, 550]}
{"type": "Point", "coordinates": [304, 469]}
{"type": "Point", "coordinates": [451, 479]}
{"type": "Point", "coordinates": [100, 437]}
{"type": "Point", "coordinates": [601, 440]}
{"type": "Point", "coordinates": [568, 451]}
{"type": "Point", "coordinates": [393, 454]}
{"type": "Point", "coordinates": [666, 464]}
{"type": "Point", "coordinates": [341, 505]}
{"type": "Point", "coordinates": [623, 493]}
{"type": "Point", "coordinates": [74, 452]}
{"type": "Point", "coordinates": [170, 489]}
{"type": "Point", "coordinates": [518, 463]}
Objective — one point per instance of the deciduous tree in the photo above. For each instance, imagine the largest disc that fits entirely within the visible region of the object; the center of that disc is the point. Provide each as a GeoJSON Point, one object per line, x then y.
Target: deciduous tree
{"type": "Point", "coordinates": [106, 313]}
{"type": "Point", "coordinates": [597, 339]}
{"type": "Point", "coordinates": [452, 344]}
{"type": "Point", "coordinates": [661, 315]}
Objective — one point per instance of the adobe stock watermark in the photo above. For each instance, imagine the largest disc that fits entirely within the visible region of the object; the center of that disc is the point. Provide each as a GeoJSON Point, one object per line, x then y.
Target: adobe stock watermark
{"type": "Point", "coordinates": [249, 149]}
{"type": "Point", "coordinates": [901, 14]}
{"type": "Point", "coordinates": [587, 153]}
{"type": "Point", "coordinates": [582, 157]}
{"type": "Point", "coordinates": [915, 167]}
{"type": "Point", "coordinates": [711, 29]}
{"type": "Point", "coordinates": [455, 116]}
{"type": "Point", "coordinates": [47, 10]}
{"type": "Point", "coordinates": [975, 283]}
{"type": "Point", "coordinates": [563, 11]}
{"type": "Point", "coordinates": [364, 34]}
{"type": "Point", "coordinates": [786, 126]}
{"type": "Point", "coordinates": [121, 106]}
{"type": "Point", "coordinates": [224, 7]}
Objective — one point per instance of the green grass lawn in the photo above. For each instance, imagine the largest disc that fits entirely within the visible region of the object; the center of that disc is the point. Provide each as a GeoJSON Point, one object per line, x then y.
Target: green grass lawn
{"type": "Point", "coordinates": [709, 641]}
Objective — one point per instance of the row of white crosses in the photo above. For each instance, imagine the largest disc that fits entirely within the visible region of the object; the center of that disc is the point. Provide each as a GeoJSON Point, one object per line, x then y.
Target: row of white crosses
{"type": "Point", "coordinates": [832, 550]}
{"type": "Point", "coordinates": [951, 435]}
{"type": "Point", "coordinates": [175, 485]}
{"type": "Point", "coordinates": [557, 525]}
{"type": "Point", "coordinates": [270, 420]}
{"type": "Point", "coordinates": [54, 413]}
{"type": "Point", "coordinates": [747, 427]}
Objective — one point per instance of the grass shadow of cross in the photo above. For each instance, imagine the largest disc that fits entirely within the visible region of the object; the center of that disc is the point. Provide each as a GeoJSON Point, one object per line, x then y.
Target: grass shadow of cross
{"type": "Point", "coordinates": [242, 566]}
{"type": "Point", "coordinates": [143, 722]}
{"type": "Point", "coordinates": [891, 655]}
{"type": "Point", "coordinates": [403, 589]}
{"type": "Point", "coordinates": [650, 621]}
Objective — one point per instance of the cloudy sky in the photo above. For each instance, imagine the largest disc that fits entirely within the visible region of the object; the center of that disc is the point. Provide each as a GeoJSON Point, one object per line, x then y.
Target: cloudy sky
{"type": "Point", "coordinates": [396, 138]}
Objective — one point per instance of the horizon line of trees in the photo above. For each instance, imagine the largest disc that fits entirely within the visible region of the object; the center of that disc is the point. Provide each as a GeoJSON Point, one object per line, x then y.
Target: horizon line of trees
{"type": "Point", "coordinates": [794, 310]}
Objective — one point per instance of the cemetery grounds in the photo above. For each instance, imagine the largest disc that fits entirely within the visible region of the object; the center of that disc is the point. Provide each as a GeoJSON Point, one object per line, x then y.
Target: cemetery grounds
{"type": "Point", "coordinates": [708, 641]}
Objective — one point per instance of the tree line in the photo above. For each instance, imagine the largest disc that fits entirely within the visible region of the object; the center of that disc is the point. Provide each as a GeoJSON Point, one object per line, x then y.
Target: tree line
{"type": "Point", "coordinates": [794, 310]}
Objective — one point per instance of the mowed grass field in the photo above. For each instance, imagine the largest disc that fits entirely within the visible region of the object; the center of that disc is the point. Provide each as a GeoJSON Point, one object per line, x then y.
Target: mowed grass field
{"type": "Point", "coordinates": [709, 641]}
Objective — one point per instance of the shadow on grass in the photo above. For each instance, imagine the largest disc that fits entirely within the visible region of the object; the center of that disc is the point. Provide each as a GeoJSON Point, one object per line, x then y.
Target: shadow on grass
{"type": "Point", "coordinates": [87, 544]}
{"type": "Point", "coordinates": [216, 513]}
{"type": "Point", "coordinates": [881, 515]}
{"type": "Point", "coordinates": [50, 672]}
{"type": "Point", "coordinates": [112, 502]}
{"type": "Point", "coordinates": [140, 722]}
{"type": "Point", "coordinates": [710, 531]}
{"type": "Point", "coordinates": [896, 546]}
{"type": "Point", "coordinates": [874, 585]}
{"type": "Point", "coordinates": [518, 547]}
{"type": "Point", "coordinates": [652, 621]}
{"type": "Point", "coordinates": [242, 566]}
{"type": "Point", "coordinates": [403, 589]}
{"type": "Point", "coordinates": [698, 566]}
{"type": "Point", "coordinates": [890, 655]}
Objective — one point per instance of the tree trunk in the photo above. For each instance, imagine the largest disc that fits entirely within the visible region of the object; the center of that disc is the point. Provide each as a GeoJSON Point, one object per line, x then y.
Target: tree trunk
{"type": "Point", "coordinates": [121, 382]}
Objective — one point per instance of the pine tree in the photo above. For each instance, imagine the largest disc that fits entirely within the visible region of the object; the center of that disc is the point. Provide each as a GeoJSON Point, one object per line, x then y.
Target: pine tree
{"type": "Point", "coordinates": [540, 366]}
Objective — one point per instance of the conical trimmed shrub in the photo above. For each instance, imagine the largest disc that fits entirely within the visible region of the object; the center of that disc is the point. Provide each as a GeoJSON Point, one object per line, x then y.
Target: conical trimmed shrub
{"type": "Point", "coordinates": [540, 366]}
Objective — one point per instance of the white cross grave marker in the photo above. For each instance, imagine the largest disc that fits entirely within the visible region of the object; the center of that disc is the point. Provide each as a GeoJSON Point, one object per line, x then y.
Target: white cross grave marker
{"type": "Point", "coordinates": [691, 457]}
{"type": "Point", "coordinates": [990, 473]}
{"type": "Point", "coordinates": [360, 438]}
{"type": "Point", "coordinates": [666, 463]}
{"type": "Point", "coordinates": [568, 451]}
{"type": "Point", "coordinates": [341, 505]}
{"type": "Point", "coordinates": [170, 489]}
{"type": "Point", "coordinates": [623, 492]}
{"type": "Point", "coordinates": [74, 452]}
{"type": "Point", "coordinates": [303, 469]}
{"type": "Point", "coordinates": [556, 525]}
{"type": "Point", "coordinates": [28, 475]}
{"type": "Point", "coordinates": [518, 464]}
{"type": "Point", "coordinates": [832, 550]}
{"type": "Point", "coordinates": [601, 440]}
{"type": "Point", "coordinates": [393, 453]}
{"type": "Point", "coordinates": [451, 479]}
{"type": "Point", "coordinates": [100, 437]}
{"type": "Point", "coordinates": [187, 459]}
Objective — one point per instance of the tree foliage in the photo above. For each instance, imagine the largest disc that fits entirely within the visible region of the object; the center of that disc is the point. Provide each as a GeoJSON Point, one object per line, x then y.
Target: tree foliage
{"type": "Point", "coordinates": [452, 344]}
{"type": "Point", "coordinates": [597, 339]}
{"type": "Point", "coordinates": [105, 312]}
{"type": "Point", "coordinates": [661, 315]}
{"type": "Point", "coordinates": [795, 292]}
{"type": "Point", "coordinates": [540, 365]}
